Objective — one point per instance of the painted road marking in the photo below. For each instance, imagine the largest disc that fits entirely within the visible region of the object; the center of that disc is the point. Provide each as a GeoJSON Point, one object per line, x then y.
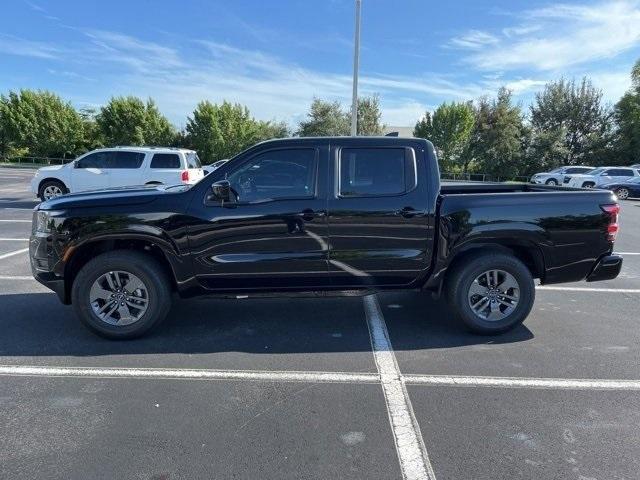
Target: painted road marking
{"type": "Point", "coordinates": [627, 253]}
{"type": "Point", "coordinates": [587, 289]}
{"type": "Point", "coordinates": [14, 239]}
{"type": "Point", "coordinates": [11, 254]}
{"type": "Point", "coordinates": [15, 221]}
{"type": "Point", "coordinates": [519, 382]}
{"type": "Point", "coordinates": [412, 453]}
{"type": "Point", "coordinates": [16, 277]}
{"type": "Point", "coordinates": [189, 374]}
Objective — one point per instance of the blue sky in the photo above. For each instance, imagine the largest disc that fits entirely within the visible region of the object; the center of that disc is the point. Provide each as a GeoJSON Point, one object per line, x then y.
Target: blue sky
{"type": "Point", "coordinates": [276, 55]}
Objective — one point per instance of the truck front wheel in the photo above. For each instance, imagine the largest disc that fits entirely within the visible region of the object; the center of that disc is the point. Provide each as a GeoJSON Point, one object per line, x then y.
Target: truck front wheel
{"type": "Point", "coordinates": [121, 294]}
{"type": "Point", "coordinates": [491, 293]}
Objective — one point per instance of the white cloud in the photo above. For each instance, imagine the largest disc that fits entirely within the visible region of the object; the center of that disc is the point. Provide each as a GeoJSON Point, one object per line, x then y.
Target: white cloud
{"type": "Point", "coordinates": [13, 45]}
{"type": "Point", "coordinates": [474, 39]}
{"type": "Point", "coordinates": [562, 35]}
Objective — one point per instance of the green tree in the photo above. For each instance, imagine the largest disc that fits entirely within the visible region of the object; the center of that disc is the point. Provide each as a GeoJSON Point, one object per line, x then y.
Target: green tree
{"type": "Point", "coordinates": [325, 119]}
{"type": "Point", "coordinates": [130, 121]}
{"type": "Point", "coordinates": [627, 116]}
{"type": "Point", "coordinates": [369, 115]}
{"type": "Point", "coordinates": [222, 131]}
{"type": "Point", "coordinates": [449, 128]}
{"type": "Point", "coordinates": [91, 135]}
{"type": "Point", "coordinates": [570, 124]}
{"type": "Point", "coordinates": [496, 144]}
{"type": "Point", "coordinates": [41, 123]}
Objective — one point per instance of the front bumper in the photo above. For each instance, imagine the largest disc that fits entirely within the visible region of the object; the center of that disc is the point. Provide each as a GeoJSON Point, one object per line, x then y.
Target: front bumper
{"type": "Point", "coordinates": [43, 261]}
{"type": "Point", "coordinates": [607, 268]}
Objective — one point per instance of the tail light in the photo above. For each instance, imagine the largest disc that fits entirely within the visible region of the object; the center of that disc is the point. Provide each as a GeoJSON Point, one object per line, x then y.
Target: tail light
{"type": "Point", "coordinates": [612, 228]}
{"type": "Point", "coordinates": [185, 176]}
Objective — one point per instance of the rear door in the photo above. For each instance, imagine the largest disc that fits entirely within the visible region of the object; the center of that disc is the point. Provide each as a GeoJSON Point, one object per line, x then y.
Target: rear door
{"type": "Point", "coordinates": [91, 172]}
{"type": "Point", "coordinates": [165, 168]}
{"type": "Point", "coordinates": [125, 168]}
{"type": "Point", "coordinates": [379, 232]}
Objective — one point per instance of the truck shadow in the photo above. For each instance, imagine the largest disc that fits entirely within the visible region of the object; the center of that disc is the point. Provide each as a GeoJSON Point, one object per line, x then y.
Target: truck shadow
{"type": "Point", "coordinates": [37, 325]}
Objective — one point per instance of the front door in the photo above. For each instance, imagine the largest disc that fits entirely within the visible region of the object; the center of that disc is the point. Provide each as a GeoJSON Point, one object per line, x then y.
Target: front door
{"type": "Point", "coordinates": [272, 234]}
{"type": "Point", "coordinates": [91, 172]}
{"type": "Point", "coordinates": [379, 229]}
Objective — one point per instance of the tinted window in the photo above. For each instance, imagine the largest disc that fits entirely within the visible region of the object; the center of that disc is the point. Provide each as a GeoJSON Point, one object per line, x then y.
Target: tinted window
{"type": "Point", "coordinates": [376, 171]}
{"type": "Point", "coordinates": [193, 161]}
{"type": "Point", "coordinates": [95, 160]}
{"type": "Point", "coordinates": [165, 160]}
{"type": "Point", "coordinates": [578, 170]}
{"type": "Point", "coordinates": [619, 172]}
{"type": "Point", "coordinates": [276, 174]}
{"type": "Point", "coordinates": [125, 159]}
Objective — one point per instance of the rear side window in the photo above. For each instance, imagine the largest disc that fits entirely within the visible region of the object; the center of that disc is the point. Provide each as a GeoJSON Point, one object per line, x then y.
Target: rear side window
{"type": "Point", "coordinates": [126, 159]}
{"type": "Point", "coordinates": [620, 172]}
{"type": "Point", "coordinates": [366, 172]}
{"type": "Point", "coordinates": [578, 170]}
{"type": "Point", "coordinates": [165, 160]}
{"type": "Point", "coordinates": [193, 161]}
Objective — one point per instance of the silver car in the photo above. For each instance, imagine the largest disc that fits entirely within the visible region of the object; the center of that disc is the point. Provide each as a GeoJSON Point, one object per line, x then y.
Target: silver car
{"type": "Point", "coordinates": [556, 176]}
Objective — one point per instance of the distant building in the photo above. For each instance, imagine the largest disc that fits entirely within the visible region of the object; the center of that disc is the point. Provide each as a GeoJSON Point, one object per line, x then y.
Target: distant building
{"type": "Point", "coordinates": [402, 131]}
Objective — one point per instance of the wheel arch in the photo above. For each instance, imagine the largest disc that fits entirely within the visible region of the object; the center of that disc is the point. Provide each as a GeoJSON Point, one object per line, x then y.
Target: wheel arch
{"type": "Point", "coordinates": [82, 254]}
{"type": "Point", "coordinates": [51, 179]}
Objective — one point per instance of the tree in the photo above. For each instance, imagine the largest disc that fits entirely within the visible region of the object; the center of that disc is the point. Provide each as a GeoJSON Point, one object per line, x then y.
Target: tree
{"type": "Point", "coordinates": [627, 116]}
{"type": "Point", "coordinates": [570, 125]}
{"type": "Point", "coordinates": [325, 119]}
{"type": "Point", "coordinates": [40, 123]}
{"type": "Point", "coordinates": [329, 119]}
{"type": "Point", "coordinates": [222, 131]}
{"type": "Point", "coordinates": [496, 143]}
{"type": "Point", "coordinates": [129, 121]}
{"type": "Point", "coordinates": [449, 128]}
{"type": "Point", "coordinates": [369, 116]}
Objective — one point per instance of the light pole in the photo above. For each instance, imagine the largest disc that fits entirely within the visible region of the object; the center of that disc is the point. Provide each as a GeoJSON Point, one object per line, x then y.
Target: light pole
{"type": "Point", "coordinates": [356, 63]}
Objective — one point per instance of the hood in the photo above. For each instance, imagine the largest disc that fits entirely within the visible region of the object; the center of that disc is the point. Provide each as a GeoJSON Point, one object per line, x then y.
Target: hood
{"type": "Point", "coordinates": [111, 197]}
{"type": "Point", "coordinates": [51, 168]}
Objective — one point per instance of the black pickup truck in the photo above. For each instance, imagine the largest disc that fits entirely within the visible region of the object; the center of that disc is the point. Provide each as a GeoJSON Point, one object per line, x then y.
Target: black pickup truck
{"type": "Point", "coordinates": [343, 214]}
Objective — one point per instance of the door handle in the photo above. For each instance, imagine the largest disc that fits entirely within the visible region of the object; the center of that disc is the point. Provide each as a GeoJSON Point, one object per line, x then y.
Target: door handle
{"type": "Point", "coordinates": [309, 214]}
{"type": "Point", "coordinates": [408, 212]}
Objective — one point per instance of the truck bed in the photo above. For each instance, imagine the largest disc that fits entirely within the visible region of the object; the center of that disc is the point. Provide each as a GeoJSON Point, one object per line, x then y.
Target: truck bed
{"type": "Point", "coordinates": [449, 188]}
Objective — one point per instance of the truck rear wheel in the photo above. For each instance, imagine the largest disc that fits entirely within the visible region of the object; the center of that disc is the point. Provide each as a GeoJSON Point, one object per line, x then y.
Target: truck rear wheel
{"type": "Point", "coordinates": [491, 293]}
{"type": "Point", "coordinates": [121, 294]}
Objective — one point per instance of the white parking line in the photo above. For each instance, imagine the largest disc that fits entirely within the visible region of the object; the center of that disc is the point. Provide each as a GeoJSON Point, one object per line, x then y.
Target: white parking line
{"type": "Point", "coordinates": [11, 254]}
{"type": "Point", "coordinates": [412, 453]}
{"type": "Point", "coordinates": [16, 277]}
{"type": "Point", "coordinates": [189, 374]}
{"type": "Point", "coordinates": [15, 221]}
{"type": "Point", "coordinates": [14, 239]}
{"type": "Point", "coordinates": [587, 289]}
{"type": "Point", "coordinates": [519, 382]}
{"type": "Point", "coordinates": [628, 253]}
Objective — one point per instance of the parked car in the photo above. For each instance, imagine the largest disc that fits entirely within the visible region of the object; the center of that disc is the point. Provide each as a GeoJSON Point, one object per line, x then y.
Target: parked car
{"type": "Point", "coordinates": [214, 166]}
{"type": "Point", "coordinates": [118, 167]}
{"type": "Point", "coordinates": [556, 176]}
{"type": "Point", "coordinates": [636, 166]}
{"type": "Point", "coordinates": [321, 214]}
{"type": "Point", "coordinates": [601, 176]}
{"type": "Point", "coordinates": [625, 189]}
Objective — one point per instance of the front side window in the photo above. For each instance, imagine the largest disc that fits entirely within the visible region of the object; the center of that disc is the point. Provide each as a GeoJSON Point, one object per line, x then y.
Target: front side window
{"type": "Point", "coordinates": [165, 160]}
{"type": "Point", "coordinates": [376, 171]}
{"type": "Point", "coordinates": [126, 159]}
{"type": "Point", "coordinates": [276, 174]}
{"type": "Point", "coordinates": [95, 160]}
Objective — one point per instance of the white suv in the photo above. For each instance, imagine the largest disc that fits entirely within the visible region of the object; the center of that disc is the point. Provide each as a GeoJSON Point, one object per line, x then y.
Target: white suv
{"type": "Point", "coordinates": [601, 176]}
{"type": "Point", "coordinates": [118, 167]}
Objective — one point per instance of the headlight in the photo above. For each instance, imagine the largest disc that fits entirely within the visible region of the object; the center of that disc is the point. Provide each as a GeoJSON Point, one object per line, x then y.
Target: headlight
{"type": "Point", "coordinates": [44, 220]}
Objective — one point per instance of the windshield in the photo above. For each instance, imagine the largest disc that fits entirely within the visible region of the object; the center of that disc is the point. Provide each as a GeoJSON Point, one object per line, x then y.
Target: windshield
{"type": "Point", "coordinates": [556, 170]}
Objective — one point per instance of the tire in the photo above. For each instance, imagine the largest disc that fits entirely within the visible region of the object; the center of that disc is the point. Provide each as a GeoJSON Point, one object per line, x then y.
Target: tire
{"type": "Point", "coordinates": [155, 293]}
{"type": "Point", "coordinates": [551, 181]}
{"type": "Point", "coordinates": [459, 287]}
{"type": "Point", "coordinates": [589, 185]}
{"type": "Point", "coordinates": [51, 185]}
{"type": "Point", "coordinates": [622, 193]}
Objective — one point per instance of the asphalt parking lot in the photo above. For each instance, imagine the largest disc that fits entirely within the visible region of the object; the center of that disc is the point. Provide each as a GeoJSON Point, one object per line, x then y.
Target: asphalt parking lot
{"type": "Point", "coordinates": [376, 387]}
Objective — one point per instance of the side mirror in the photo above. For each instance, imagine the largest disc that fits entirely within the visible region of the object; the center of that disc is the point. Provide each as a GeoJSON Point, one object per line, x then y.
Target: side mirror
{"type": "Point", "coordinates": [221, 190]}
